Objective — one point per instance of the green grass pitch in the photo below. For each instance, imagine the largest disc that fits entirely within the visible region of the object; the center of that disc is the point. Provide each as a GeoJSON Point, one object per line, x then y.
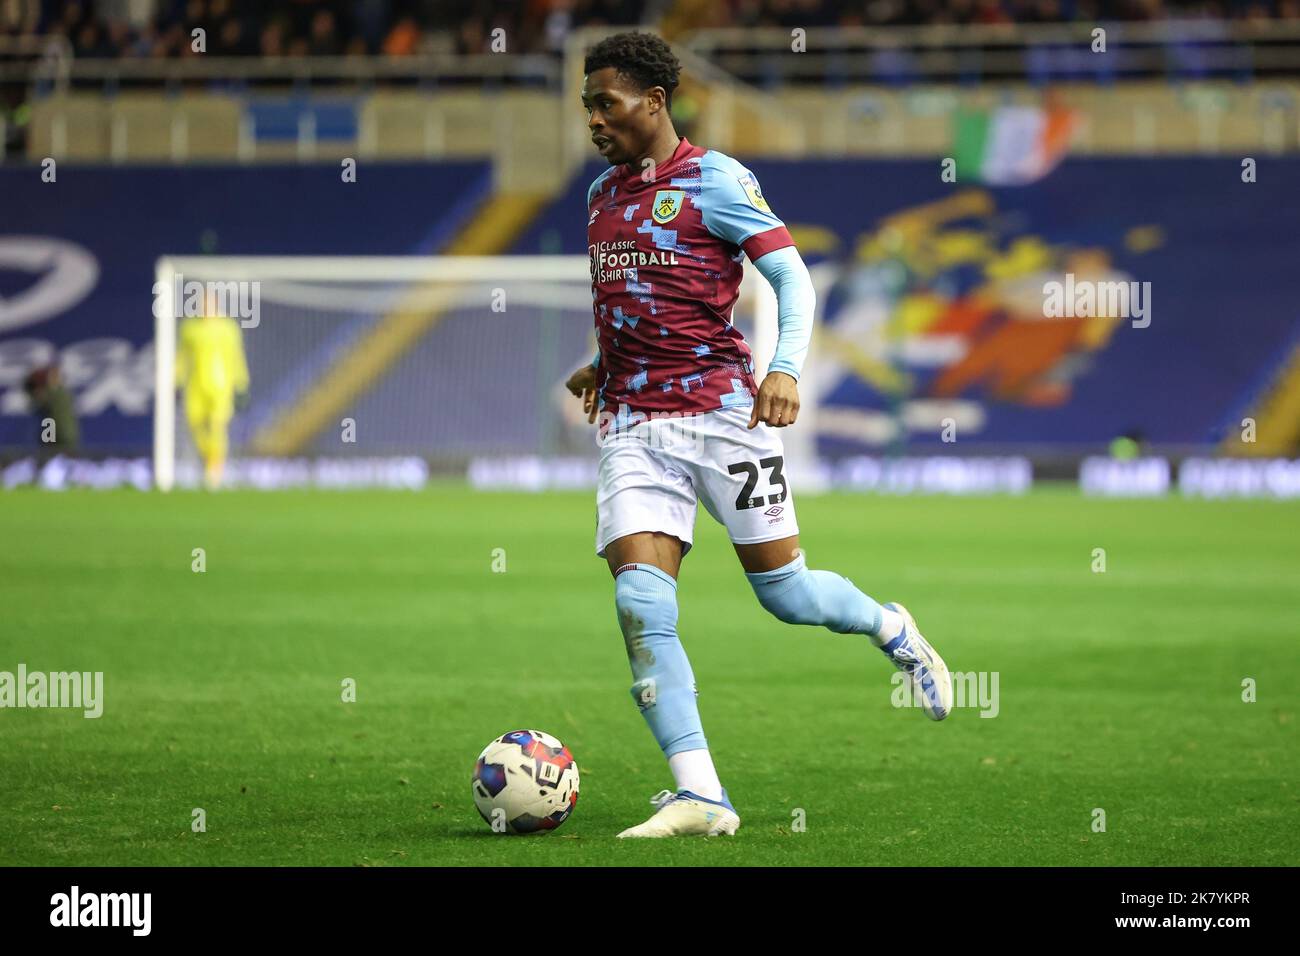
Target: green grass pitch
{"type": "Point", "coordinates": [1119, 690]}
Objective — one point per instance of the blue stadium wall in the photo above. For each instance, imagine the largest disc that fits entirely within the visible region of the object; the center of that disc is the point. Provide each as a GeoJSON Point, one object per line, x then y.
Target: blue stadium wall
{"type": "Point", "coordinates": [114, 223]}
{"type": "Point", "coordinates": [1222, 257]}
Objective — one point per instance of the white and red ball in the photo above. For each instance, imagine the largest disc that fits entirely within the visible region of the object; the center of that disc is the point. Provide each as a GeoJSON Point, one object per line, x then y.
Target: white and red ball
{"type": "Point", "coordinates": [525, 781]}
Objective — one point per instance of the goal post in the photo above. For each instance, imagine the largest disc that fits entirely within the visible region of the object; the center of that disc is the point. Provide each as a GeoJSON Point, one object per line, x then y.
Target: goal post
{"type": "Point", "coordinates": [444, 358]}
{"type": "Point", "coordinates": [164, 395]}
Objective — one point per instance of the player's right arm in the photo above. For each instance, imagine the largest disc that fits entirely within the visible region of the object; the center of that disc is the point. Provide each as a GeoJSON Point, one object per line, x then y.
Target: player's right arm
{"type": "Point", "coordinates": [582, 383]}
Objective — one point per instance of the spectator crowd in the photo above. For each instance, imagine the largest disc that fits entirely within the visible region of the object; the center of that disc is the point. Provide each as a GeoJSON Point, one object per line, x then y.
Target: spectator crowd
{"type": "Point", "coordinates": [296, 28]}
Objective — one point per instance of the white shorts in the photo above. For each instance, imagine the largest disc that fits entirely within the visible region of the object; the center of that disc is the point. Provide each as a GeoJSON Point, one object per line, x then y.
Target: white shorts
{"type": "Point", "coordinates": [652, 473]}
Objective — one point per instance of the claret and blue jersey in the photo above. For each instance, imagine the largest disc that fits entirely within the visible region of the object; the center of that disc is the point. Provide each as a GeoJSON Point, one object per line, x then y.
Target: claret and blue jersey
{"type": "Point", "coordinates": [666, 263]}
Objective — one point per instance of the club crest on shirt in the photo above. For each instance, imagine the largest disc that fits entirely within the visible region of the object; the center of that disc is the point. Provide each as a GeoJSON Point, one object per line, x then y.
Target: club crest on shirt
{"type": "Point", "coordinates": [667, 204]}
{"type": "Point", "coordinates": [752, 190]}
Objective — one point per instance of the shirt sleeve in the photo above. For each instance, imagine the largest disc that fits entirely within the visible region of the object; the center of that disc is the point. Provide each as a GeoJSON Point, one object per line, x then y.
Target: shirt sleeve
{"type": "Point", "coordinates": [734, 210]}
{"type": "Point", "coordinates": [796, 301]}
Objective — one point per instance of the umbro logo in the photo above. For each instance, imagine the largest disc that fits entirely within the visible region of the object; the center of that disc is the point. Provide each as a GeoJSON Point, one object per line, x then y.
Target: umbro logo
{"type": "Point", "coordinates": [773, 511]}
{"type": "Point", "coordinates": [594, 214]}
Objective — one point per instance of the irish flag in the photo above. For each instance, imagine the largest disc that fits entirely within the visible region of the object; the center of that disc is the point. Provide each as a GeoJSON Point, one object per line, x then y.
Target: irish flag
{"type": "Point", "coordinates": [1011, 145]}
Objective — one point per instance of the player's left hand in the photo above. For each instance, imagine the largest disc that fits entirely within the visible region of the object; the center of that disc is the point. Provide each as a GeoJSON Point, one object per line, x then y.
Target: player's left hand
{"type": "Point", "coordinates": [777, 403]}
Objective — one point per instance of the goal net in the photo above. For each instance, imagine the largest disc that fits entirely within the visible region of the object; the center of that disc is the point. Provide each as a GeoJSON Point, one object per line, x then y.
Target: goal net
{"type": "Point", "coordinates": [457, 363]}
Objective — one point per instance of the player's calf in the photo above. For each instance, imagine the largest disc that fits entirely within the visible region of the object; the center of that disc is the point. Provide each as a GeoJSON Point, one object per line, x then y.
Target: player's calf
{"type": "Point", "coordinates": [663, 684]}
{"type": "Point", "coordinates": [797, 595]}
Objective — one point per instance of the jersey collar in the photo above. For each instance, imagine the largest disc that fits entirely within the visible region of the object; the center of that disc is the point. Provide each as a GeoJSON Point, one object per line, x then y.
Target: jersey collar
{"type": "Point", "coordinates": [683, 150]}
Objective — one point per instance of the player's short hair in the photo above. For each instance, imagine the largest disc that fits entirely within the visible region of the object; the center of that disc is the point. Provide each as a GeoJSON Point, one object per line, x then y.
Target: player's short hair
{"type": "Point", "coordinates": [645, 58]}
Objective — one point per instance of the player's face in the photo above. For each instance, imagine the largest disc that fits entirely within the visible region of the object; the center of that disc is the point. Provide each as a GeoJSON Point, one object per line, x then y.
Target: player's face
{"type": "Point", "coordinates": [620, 117]}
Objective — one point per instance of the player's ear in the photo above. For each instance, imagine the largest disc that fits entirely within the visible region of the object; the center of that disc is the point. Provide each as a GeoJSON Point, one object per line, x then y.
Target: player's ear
{"type": "Point", "coordinates": [655, 98]}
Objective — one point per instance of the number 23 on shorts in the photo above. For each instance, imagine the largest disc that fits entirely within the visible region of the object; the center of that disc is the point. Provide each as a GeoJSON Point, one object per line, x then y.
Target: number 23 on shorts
{"type": "Point", "coordinates": [746, 498]}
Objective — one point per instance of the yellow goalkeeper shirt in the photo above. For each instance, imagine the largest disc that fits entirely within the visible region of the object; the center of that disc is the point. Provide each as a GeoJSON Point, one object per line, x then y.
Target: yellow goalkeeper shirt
{"type": "Point", "coordinates": [210, 357]}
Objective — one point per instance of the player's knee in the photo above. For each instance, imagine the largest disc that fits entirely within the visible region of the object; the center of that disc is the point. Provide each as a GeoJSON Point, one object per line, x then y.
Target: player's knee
{"type": "Point", "coordinates": [646, 600]}
{"type": "Point", "coordinates": [790, 594]}
{"type": "Point", "coordinates": [642, 590]}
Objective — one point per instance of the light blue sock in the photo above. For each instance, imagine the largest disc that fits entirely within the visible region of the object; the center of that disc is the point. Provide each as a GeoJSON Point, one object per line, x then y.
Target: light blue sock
{"type": "Point", "coordinates": [797, 595]}
{"type": "Point", "coordinates": [664, 688]}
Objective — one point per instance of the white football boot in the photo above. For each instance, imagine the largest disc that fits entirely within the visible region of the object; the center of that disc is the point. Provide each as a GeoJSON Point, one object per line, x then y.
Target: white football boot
{"type": "Point", "coordinates": [687, 814]}
{"type": "Point", "coordinates": [913, 655]}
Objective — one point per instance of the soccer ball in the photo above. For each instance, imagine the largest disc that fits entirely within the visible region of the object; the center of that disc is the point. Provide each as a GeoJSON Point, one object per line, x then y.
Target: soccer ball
{"type": "Point", "coordinates": [525, 782]}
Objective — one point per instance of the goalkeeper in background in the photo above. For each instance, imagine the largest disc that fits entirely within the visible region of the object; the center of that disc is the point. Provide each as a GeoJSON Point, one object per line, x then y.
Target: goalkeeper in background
{"type": "Point", "coordinates": [210, 366]}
